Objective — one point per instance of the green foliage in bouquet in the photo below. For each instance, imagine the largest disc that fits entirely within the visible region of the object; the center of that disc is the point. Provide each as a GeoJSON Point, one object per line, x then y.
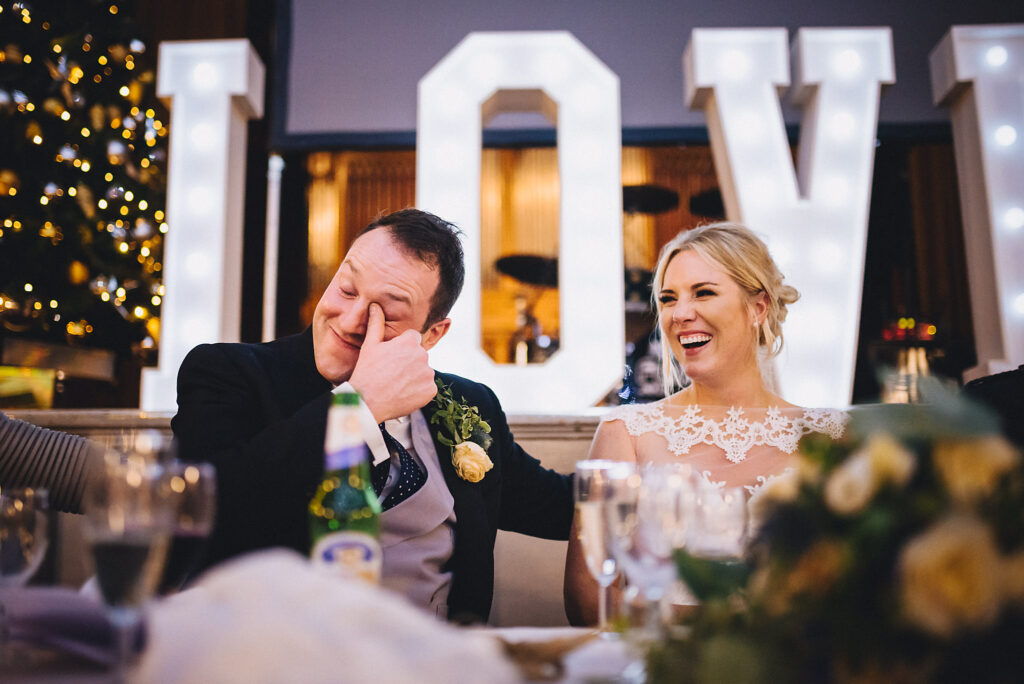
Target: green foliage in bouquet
{"type": "Point", "coordinates": [895, 554]}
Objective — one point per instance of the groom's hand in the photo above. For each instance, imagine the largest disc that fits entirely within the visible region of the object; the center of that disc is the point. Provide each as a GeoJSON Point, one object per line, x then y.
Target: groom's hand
{"type": "Point", "coordinates": [392, 376]}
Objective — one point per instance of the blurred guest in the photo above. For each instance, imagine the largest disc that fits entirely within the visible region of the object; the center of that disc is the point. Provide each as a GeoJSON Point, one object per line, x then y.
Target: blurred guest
{"type": "Point", "coordinates": [1004, 394]}
{"type": "Point", "coordinates": [64, 464]}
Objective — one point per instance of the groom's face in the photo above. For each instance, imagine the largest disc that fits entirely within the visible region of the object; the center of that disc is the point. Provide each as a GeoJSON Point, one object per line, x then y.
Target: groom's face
{"type": "Point", "coordinates": [375, 270]}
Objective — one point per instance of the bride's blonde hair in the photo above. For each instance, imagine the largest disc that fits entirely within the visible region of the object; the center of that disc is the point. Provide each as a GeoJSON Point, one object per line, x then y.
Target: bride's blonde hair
{"type": "Point", "coordinates": [745, 258]}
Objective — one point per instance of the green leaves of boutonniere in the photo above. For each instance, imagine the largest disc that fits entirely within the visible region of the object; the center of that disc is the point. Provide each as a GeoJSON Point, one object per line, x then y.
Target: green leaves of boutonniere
{"type": "Point", "coordinates": [462, 429]}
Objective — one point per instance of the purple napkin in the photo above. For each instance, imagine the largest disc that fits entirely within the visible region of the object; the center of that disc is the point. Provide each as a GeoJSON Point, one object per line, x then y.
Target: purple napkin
{"type": "Point", "coordinates": [61, 619]}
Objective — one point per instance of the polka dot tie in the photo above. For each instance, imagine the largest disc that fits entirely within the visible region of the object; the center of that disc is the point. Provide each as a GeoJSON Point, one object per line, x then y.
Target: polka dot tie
{"type": "Point", "coordinates": [410, 477]}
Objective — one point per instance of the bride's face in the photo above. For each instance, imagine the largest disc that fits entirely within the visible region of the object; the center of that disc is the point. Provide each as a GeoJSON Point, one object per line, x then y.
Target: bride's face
{"type": "Point", "coordinates": [708, 319]}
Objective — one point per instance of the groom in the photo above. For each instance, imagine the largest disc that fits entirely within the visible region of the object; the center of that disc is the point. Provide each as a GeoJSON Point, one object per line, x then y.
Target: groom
{"type": "Point", "coordinates": [258, 413]}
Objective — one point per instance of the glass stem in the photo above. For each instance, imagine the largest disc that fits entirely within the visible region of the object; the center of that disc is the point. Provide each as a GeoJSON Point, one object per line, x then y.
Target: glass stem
{"type": "Point", "coordinates": [653, 618]}
{"type": "Point", "coordinates": [124, 621]}
{"type": "Point", "coordinates": [602, 607]}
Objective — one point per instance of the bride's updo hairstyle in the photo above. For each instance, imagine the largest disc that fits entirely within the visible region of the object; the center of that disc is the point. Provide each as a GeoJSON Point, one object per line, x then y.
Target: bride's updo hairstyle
{"type": "Point", "coordinates": [745, 258]}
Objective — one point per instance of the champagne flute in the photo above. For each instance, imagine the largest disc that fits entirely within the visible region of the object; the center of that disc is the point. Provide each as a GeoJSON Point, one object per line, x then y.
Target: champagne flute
{"type": "Point", "coordinates": [647, 526]}
{"type": "Point", "coordinates": [191, 488]}
{"type": "Point", "coordinates": [23, 534]}
{"type": "Point", "coordinates": [597, 483]}
{"type": "Point", "coordinates": [127, 519]}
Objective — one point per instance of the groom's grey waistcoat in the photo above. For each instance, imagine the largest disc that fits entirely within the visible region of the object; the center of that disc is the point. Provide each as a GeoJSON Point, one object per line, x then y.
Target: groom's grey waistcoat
{"type": "Point", "coordinates": [417, 534]}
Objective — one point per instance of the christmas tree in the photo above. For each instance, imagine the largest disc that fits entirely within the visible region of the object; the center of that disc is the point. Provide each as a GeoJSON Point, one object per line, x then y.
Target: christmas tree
{"type": "Point", "coordinates": [82, 176]}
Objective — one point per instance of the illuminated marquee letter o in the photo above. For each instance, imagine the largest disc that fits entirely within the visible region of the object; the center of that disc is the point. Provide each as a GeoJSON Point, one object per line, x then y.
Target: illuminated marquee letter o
{"type": "Point", "coordinates": [448, 142]}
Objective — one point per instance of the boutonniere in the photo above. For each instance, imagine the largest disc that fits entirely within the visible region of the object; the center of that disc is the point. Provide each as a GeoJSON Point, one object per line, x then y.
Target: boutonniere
{"type": "Point", "coordinates": [462, 429]}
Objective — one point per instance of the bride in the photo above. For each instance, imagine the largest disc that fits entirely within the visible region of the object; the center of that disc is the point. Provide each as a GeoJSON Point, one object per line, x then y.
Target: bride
{"type": "Point", "coordinates": [721, 302]}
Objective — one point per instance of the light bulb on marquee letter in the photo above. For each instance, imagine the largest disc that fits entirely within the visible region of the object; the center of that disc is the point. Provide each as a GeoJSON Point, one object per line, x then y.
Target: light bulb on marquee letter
{"type": "Point", "coordinates": [214, 88]}
{"type": "Point", "coordinates": [819, 211]}
{"type": "Point", "coordinates": [448, 139]}
{"type": "Point", "coordinates": [976, 72]}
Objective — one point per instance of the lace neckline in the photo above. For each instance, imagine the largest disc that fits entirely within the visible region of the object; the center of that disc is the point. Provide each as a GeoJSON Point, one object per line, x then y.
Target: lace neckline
{"type": "Point", "coordinates": [735, 433]}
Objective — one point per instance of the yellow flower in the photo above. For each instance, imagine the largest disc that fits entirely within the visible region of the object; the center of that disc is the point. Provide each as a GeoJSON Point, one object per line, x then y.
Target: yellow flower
{"type": "Point", "coordinates": [817, 570]}
{"type": "Point", "coordinates": [471, 461]}
{"type": "Point", "coordinates": [850, 486]}
{"type": "Point", "coordinates": [890, 461]}
{"type": "Point", "coordinates": [971, 468]}
{"type": "Point", "coordinates": [814, 574]}
{"type": "Point", "coordinates": [950, 577]}
{"type": "Point", "coordinates": [1012, 572]}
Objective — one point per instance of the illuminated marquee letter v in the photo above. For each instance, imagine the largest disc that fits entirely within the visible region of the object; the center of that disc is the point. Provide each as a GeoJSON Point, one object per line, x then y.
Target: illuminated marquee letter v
{"type": "Point", "coordinates": [815, 218]}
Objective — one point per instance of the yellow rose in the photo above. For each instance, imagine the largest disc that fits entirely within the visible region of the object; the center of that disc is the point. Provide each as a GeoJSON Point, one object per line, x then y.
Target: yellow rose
{"type": "Point", "coordinates": [471, 461]}
{"type": "Point", "coordinates": [971, 468]}
{"type": "Point", "coordinates": [817, 570]}
{"type": "Point", "coordinates": [950, 577]}
{"type": "Point", "coordinates": [1012, 572]}
{"type": "Point", "coordinates": [850, 486]}
{"type": "Point", "coordinates": [890, 461]}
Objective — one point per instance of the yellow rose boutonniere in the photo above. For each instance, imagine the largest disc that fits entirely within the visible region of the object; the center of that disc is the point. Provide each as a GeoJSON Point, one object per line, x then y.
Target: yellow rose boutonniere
{"type": "Point", "coordinates": [462, 429]}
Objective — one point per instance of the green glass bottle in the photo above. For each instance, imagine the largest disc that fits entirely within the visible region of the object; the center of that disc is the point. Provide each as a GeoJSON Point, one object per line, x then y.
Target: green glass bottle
{"type": "Point", "coordinates": [344, 514]}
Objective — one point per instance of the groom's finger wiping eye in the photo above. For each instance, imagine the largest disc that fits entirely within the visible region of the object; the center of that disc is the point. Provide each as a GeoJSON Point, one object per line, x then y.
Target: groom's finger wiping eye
{"type": "Point", "coordinates": [374, 324]}
{"type": "Point", "coordinates": [393, 376]}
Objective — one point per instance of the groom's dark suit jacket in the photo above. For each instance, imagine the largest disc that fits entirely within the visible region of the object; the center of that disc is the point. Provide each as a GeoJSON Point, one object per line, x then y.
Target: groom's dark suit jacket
{"type": "Point", "coordinates": [258, 412]}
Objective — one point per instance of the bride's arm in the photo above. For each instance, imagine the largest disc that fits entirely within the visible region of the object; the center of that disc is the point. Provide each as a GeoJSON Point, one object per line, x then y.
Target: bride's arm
{"type": "Point", "coordinates": [611, 442]}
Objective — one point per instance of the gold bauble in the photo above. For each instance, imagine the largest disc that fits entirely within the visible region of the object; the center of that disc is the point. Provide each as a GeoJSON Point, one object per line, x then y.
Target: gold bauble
{"type": "Point", "coordinates": [8, 180]}
{"type": "Point", "coordinates": [78, 273]}
{"type": "Point", "coordinates": [96, 117]}
{"type": "Point", "coordinates": [153, 328]}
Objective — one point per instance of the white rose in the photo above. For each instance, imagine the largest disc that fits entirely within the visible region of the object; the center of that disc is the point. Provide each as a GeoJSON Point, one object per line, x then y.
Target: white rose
{"type": "Point", "coordinates": [851, 485]}
{"type": "Point", "coordinates": [471, 461]}
{"type": "Point", "coordinates": [890, 461]}
{"type": "Point", "coordinates": [950, 577]}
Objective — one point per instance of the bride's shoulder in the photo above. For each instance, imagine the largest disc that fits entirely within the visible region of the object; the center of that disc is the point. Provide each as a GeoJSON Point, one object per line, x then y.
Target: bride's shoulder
{"type": "Point", "coordinates": [627, 412]}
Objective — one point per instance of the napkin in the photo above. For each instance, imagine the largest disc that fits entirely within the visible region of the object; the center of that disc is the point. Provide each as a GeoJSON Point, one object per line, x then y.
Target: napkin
{"type": "Point", "coordinates": [61, 619]}
{"type": "Point", "coordinates": [271, 617]}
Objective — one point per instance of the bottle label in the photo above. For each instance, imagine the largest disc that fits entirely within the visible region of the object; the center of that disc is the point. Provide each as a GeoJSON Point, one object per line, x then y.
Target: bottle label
{"type": "Point", "coordinates": [347, 456]}
{"type": "Point", "coordinates": [349, 554]}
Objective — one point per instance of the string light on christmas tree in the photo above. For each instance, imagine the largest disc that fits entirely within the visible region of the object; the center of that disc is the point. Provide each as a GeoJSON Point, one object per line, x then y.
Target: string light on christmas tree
{"type": "Point", "coordinates": [78, 86]}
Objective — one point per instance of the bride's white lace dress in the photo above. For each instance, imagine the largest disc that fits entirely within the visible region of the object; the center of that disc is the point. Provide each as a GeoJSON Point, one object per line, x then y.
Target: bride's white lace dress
{"type": "Point", "coordinates": [730, 446]}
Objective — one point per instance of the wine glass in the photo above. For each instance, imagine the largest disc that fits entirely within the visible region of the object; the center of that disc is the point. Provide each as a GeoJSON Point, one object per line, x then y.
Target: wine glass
{"type": "Point", "coordinates": [717, 539]}
{"type": "Point", "coordinates": [23, 534]}
{"type": "Point", "coordinates": [646, 527]}
{"type": "Point", "coordinates": [719, 527]}
{"type": "Point", "coordinates": [128, 521]}
{"type": "Point", "coordinates": [597, 485]}
{"type": "Point", "coordinates": [191, 489]}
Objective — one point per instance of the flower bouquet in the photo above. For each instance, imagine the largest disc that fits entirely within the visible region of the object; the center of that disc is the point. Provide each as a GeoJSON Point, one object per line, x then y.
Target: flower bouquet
{"type": "Point", "coordinates": [895, 554]}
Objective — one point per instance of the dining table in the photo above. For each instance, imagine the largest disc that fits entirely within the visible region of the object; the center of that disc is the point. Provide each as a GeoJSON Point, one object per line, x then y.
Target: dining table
{"type": "Point", "coordinates": [271, 617]}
